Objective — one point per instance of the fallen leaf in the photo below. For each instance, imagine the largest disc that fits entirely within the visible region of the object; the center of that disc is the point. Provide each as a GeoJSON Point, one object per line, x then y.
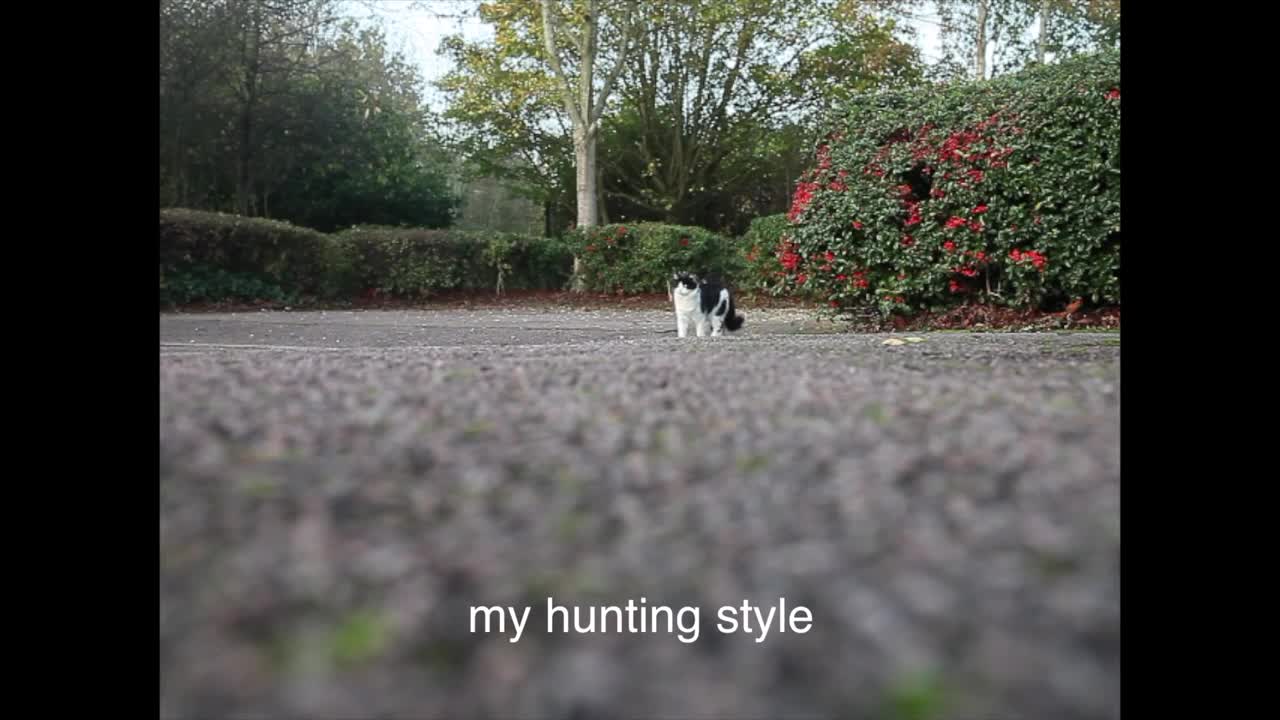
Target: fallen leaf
{"type": "Point", "coordinates": [915, 339]}
{"type": "Point", "coordinates": [894, 341]}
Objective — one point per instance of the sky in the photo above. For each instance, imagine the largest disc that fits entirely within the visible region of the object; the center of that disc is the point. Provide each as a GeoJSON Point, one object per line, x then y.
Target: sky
{"type": "Point", "coordinates": [416, 29]}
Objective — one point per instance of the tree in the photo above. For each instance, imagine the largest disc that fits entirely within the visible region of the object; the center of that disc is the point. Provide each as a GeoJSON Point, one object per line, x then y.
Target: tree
{"type": "Point", "coordinates": [714, 98]}
{"type": "Point", "coordinates": [281, 108]}
{"type": "Point", "coordinates": [1066, 27]}
{"type": "Point", "coordinates": [506, 111]}
{"type": "Point", "coordinates": [580, 30]}
{"type": "Point", "coordinates": [712, 81]}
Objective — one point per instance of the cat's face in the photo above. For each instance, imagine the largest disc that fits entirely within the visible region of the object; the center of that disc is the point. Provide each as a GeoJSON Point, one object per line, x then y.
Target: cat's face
{"type": "Point", "coordinates": [685, 282]}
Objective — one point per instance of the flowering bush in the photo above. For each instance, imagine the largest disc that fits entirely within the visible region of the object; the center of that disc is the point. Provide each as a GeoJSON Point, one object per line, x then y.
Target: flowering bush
{"type": "Point", "coordinates": [1007, 191]}
{"type": "Point", "coordinates": [639, 258]}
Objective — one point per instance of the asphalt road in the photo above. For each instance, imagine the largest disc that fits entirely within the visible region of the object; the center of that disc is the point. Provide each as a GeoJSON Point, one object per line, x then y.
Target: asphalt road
{"type": "Point", "coordinates": [339, 490]}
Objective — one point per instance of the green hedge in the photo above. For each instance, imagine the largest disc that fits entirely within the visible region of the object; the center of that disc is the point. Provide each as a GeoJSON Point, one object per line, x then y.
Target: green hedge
{"type": "Point", "coordinates": [416, 263]}
{"type": "Point", "coordinates": [208, 256]}
{"type": "Point", "coordinates": [1007, 191]}
{"type": "Point", "coordinates": [640, 258]}
{"type": "Point", "coordinates": [762, 270]}
{"type": "Point", "coordinates": [215, 257]}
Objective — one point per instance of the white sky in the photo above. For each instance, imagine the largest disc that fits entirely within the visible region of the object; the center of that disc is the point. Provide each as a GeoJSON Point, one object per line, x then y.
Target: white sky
{"type": "Point", "coordinates": [417, 29]}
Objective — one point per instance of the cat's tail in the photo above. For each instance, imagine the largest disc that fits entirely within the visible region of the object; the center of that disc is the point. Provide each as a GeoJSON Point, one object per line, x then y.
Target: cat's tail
{"type": "Point", "coordinates": [732, 320]}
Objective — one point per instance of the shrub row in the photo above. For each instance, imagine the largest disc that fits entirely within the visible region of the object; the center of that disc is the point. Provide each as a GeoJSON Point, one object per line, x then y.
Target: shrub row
{"type": "Point", "coordinates": [1007, 191]}
{"type": "Point", "coordinates": [640, 258]}
{"type": "Point", "coordinates": [214, 257]}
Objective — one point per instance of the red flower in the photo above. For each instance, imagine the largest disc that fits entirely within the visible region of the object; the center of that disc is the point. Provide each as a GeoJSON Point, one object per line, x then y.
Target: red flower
{"type": "Point", "coordinates": [622, 229]}
{"type": "Point", "coordinates": [975, 226]}
{"type": "Point", "coordinates": [948, 245]}
{"type": "Point", "coordinates": [836, 186]}
{"type": "Point", "coordinates": [788, 258]}
{"type": "Point", "coordinates": [801, 278]}
{"type": "Point", "coordinates": [907, 241]}
{"type": "Point", "coordinates": [956, 286]}
{"type": "Point", "coordinates": [830, 256]}
{"type": "Point", "coordinates": [1034, 257]}
{"type": "Point", "coordinates": [844, 173]}
{"type": "Point", "coordinates": [835, 303]}
{"type": "Point", "coordinates": [824, 157]}
{"type": "Point", "coordinates": [801, 199]}
{"type": "Point", "coordinates": [981, 256]}
{"type": "Point", "coordinates": [976, 175]}
{"type": "Point", "coordinates": [980, 209]}
{"type": "Point", "coordinates": [937, 193]}
{"type": "Point", "coordinates": [1113, 94]}
{"type": "Point", "coordinates": [857, 225]}
{"type": "Point", "coordinates": [842, 278]}
{"type": "Point", "coordinates": [684, 241]}
{"type": "Point", "coordinates": [955, 222]}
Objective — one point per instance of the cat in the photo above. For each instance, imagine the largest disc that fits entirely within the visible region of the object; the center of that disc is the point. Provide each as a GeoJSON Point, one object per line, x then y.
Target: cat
{"type": "Point", "coordinates": [704, 304]}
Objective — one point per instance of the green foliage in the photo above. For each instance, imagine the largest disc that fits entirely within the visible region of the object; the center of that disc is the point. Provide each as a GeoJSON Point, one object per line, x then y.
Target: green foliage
{"type": "Point", "coordinates": [213, 256]}
{"type": "Point", "coordinates": [282, 110]}
{"type": "Point", "coordinates": [714, 112]}
{"type": "Point", "coordinates": [418, 263]}
{"type": "Point", "coordinates": [409, 262]}
{"type": "Point", "coordinates": [762, 272]}
{"type": "Point", "coordinates": [1008, 191]}
{"type": "Point", "coordinates": [640, 258]}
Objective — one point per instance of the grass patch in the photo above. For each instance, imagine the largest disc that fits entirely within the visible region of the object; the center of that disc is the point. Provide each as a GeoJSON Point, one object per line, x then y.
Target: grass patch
{"type": "Point", "coordinates": [918, 697]}
{"type": "Point", "coordinates": [360, 638]}
{"type": "Point", "coordinates": [477, 429]}
{"type": "Point", "coordinates": [752, 463]}
{"type": "Point", "coordinates": [875, 412]}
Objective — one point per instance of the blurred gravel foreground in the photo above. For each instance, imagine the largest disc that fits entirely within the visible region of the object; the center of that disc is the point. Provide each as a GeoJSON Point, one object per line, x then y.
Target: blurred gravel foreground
{"type": "Point", "coordinates": [786, 522]}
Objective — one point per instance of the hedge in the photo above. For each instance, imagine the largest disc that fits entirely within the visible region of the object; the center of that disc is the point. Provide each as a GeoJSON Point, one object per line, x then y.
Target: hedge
{"type": "Point", "coordinates": [640, 258]}
{"type": "Point", "coordinates": [207, 256]}
{"type": "Point", "coordinates": [1006, 191]}
{"type": "Point", "coordinates": [762, 270]}
{"type": "Point", "coordinates": [417, 263]}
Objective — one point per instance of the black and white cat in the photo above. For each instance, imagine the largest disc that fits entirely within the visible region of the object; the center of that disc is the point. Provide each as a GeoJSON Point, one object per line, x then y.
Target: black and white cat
{"type": "Point", "coordinates": [704, 304]}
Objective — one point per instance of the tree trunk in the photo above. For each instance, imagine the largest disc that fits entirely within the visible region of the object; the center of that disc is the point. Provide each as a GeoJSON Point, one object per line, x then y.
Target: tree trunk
{"type": "Point", "coordinates": [602, 209]}
{"type": "Point", "coordinates": [1044, 31]}
{"type": "Point", "coordinates": [584, 153]}
{"type": "Point", "coordinates": [242, 162]}
{"type": "Point", "coordinates": [586, 108]}
{"type": "Point", "coordinates": [981, 41]}
{"type": "Point", "coordinates": [584, 150]}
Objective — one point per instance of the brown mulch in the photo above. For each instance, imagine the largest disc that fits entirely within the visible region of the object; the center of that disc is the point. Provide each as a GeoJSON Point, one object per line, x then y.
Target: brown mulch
{"type": "Point", "coordinates": [979, 317]}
